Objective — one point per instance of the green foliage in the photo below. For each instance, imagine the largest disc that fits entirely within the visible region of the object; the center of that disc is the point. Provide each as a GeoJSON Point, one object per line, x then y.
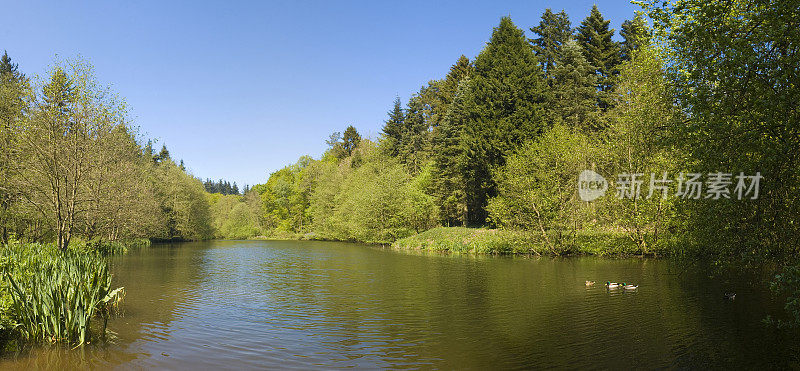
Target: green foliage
{"type": "Point", "coordinates": [184, 209]}
{"type": "Point", "coordinates": [554, 31]}
{"type": "Point", "coordinates": [448, 159]}
{"type": "Point", "coordinates": [575, 89]}
{"type": "Point", "coordinates": [786, 284]}
{"type": "Point", "coordinates": [375, 202]}
{"type": "Point", "coordinates": [602, 53]}
{"type": "Point", "coordinates": [14, 91]}
{"type": "Point", "coordinates": [220, 186]}
{"type": "Point", "coordinates": [56, 293]}
{"type": "Point", "coordinates": [350, 140]}
{"type": "Point", "coordinates": [636, 144]}
{"type": "Point", "coordinates": [536, 187]}
{"type": "Point", "coordinates": [416, 137]}
{"type": "Point", "coordinates": [635, 33]}
{"type": "Point", "coordinates": [285, 197]}
{"type": "Point", "coordinates": [504, 106]}
{"type": "Point", "coordinates": [393, 129]}
{"type": "Point", "coordinates": [734, 68]}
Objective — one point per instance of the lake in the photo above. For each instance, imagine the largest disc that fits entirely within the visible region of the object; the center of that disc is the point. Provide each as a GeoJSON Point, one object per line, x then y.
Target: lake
{"type": "Point", "coordinates": [300, 304]}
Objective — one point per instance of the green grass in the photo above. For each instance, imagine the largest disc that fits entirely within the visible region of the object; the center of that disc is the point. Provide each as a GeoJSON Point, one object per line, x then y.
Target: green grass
{"type": "Point", "coordinates": [498, 241]}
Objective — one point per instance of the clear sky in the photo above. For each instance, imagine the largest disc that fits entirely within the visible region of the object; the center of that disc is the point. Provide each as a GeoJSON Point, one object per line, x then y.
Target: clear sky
{"type": "Point", "coordinates": [238, 89]}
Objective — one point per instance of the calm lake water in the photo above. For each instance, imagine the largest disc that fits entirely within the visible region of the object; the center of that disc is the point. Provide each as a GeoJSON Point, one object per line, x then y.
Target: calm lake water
{"type": "Point", "coordinates": [289, 304]}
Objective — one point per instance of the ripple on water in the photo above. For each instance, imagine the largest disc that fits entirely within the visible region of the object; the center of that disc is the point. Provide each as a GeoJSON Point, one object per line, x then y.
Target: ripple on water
{"type": "Point", "coordinates": [270, 304]}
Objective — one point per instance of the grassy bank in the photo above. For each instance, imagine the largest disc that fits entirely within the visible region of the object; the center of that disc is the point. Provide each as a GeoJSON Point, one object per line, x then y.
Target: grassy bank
{"type": "Point", "coordinates": [497, 241]}
{"type": "Point", "coordinates": [52, 296]}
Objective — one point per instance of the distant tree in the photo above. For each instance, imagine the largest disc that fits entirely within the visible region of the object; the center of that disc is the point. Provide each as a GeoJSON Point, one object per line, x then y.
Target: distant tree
{"type": "Point", "coordinates": [554, 30]}
{"type": "Point", "coordinates": [9, 68]}
{"type": "Point", "coordinates": [147, 151]}
{"type": "Point", "coordinates": [635, 33]}
{"type": "Point", "coordinates": [13, 89]}
{"type": "Point", "coordinates": [350, 140]}
{"type": "Point", "coordinates": [444, 90]}
{"type": "Point", "coordinates": [393, 129]}
{"type": "Point", "coordinates": [575, 89]}
{"type": "Point", "coordinates": [221, 186]}
{"type": "Point", "coordinates": [163, 155]}
{"type": "Point", "coordinates": [602, 53]}
{"type": "Point", "coordinates": [416, 137]}
{"type": "Point", "coordinates": [335, 145]}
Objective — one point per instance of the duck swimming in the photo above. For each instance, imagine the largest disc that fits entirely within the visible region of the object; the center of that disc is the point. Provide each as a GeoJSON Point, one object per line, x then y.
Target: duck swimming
{"type": "Point", "coordinates": [589, 283]}
{"type": "Point", "coordinates": [629, 287]}
{"type": "Point", "coordinates": [612, 285]}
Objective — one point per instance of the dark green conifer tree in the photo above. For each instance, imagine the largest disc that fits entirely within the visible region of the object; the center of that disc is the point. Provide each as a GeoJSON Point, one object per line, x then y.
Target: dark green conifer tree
{"type": "Point", "coordinates": [554, 30]}
{"type": "Point", "coordinates": [163, 155]}
{"type": "Point", "coordinates": [602, 53]}
{"type": "Point", "coordinates": [350, 140]}
{"type": "Point", "coordinates": [507, 99]}
{"type": "Point", "coordinates": [575, 89]}
{"type": "Point", "coordinates": [393, 129]}
{"type": "Point", "coordinates": [415, 133]}
{"type": "Point", "coordinates": [635, 33]}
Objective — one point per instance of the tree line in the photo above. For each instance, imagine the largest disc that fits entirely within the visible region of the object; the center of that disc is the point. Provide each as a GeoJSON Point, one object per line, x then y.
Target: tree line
{"type": "Point", "coordinates": [691, 88]}
{"type": "Point", "coordinates": [73, 167]}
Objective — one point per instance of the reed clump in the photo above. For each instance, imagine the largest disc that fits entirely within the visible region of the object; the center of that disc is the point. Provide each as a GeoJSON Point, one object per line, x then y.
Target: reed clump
{"type": "Point", "coordinates": [50, 295]}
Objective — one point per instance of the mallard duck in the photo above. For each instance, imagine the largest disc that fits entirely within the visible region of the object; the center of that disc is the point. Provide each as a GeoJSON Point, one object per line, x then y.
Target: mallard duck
{"type": "Point", "coordinates": [629, 287]}
{"type": "Point", "coordinates": [612, 285]}
{"type": "Point", "coordinates": [589, 283]}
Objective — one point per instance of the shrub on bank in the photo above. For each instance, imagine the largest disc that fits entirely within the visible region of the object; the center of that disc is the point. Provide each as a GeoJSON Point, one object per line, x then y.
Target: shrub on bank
{"type": "Point", "coordinates": [501, 241]}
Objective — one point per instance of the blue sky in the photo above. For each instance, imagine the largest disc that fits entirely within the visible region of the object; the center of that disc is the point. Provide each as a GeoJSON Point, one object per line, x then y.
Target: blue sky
{"type": "Point", "coordinates": [238, 89]}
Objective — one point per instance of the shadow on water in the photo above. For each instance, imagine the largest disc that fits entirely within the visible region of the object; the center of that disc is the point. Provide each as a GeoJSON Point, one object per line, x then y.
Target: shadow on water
{"type": "Point", "coordinates": [298, 304]}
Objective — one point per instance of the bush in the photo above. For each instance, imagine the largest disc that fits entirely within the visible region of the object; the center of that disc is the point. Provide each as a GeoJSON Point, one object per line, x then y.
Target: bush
{"type": "Point", "coordinates": [787, 284]}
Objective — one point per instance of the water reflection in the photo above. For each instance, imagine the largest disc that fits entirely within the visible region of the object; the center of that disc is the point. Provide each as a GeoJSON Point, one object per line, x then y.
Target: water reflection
{"type": "Point", "coordinates": [251, 304]}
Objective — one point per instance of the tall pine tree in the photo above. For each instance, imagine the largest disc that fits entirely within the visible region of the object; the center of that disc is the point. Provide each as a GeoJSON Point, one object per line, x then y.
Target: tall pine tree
{"type": "Point", "coordinates": [554, 30]}
{"type": "Point", "coordinates": [635, 33]}
{"type": "Point", "coordinates": [506, 105]}
{"type": "Point", "coordinates": [602, 53]}
{"type": "Point", "coordinates": [13, 85]}
{"type": "Point", "coordinates": [393, 129]}
{"type": "Point", "coordinates": [575, 89]}
{"type": "Point", "coordinates": [416, 134]}
{"type": "Point", "coordinates": [350, 140]}
{"type": "Point", "coordinates": [449, 184]}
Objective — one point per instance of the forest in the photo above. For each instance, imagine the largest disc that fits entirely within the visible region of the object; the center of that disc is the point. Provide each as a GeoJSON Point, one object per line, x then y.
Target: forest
{"type": "Point", "coordinates": [485, 159]}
